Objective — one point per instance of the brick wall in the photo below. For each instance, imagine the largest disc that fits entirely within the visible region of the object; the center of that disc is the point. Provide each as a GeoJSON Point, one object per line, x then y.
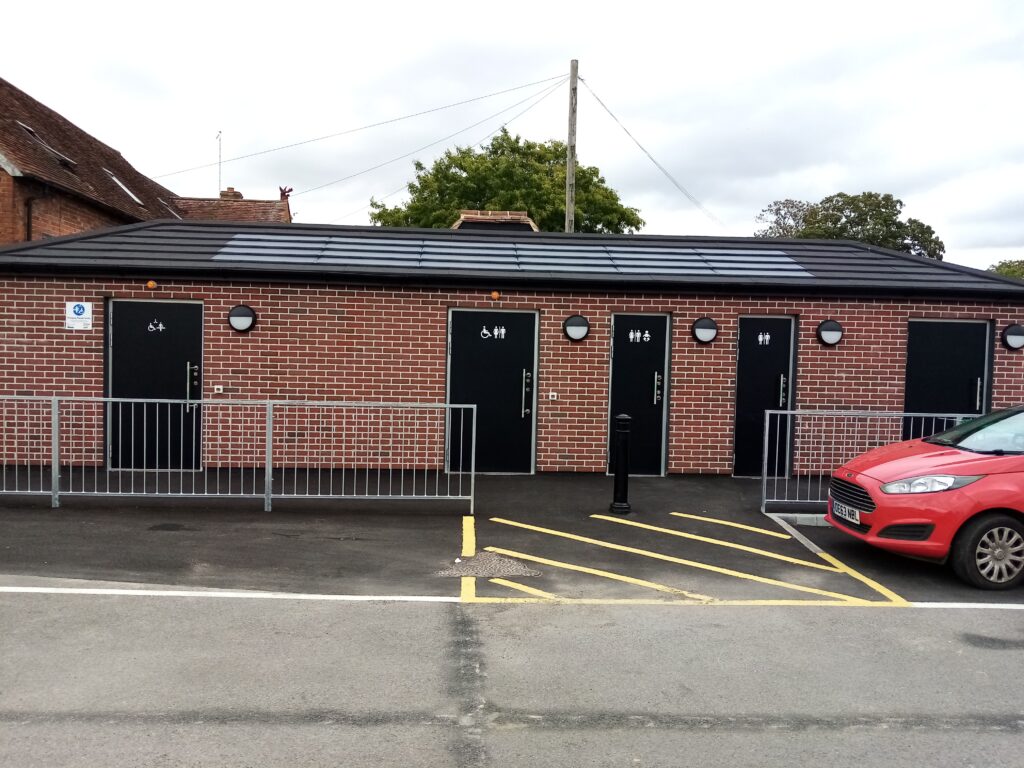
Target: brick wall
{"type": "Point", "coordinates": [388, 344]}
{"type": "Point", "coordinates": [53, 212]}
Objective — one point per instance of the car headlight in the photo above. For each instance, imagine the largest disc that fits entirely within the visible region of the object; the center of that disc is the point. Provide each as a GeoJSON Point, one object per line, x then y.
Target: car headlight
{"type": "Point", "coordinates": [930, 483]}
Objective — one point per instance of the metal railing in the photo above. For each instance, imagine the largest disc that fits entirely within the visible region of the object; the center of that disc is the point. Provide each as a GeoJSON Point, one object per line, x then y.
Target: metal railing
{"type": "Point", "coordinates": [91, 446]}
{"type": "Point", "coordinates": [802, 448]}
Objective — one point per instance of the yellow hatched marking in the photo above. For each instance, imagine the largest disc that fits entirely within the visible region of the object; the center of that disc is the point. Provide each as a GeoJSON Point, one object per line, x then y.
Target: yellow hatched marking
{"type": "Point", "coordinates": [468, 537]}
{"type": "Point", "coordinates": [731, 524]}
{"type": "Point", "coordinates": [603, 574]}
{"type": "Point", "coordinates": [523, 588]}
{"type": "Point", "coordinates": [719, 543]}
{"type": "Point", "coordinates": [681, 561]}
{"type": "Point", "coordinates": [884, 591]}
{"type": "Point", "coordinates": [468, 594]}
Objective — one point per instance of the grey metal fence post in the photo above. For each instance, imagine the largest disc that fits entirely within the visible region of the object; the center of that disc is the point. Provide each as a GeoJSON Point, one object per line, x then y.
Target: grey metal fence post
{"type": "Point", "coordinates": [764, 462]}
{"type": "Point", "coordinates": [268, 468]}
{"type": "Point", "coordinates": [54, 453]}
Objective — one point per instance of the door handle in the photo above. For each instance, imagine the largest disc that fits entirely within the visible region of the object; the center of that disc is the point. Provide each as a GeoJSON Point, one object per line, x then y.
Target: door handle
{"type": "Point", "coordinates": [527, 381]}
{"type": "Point", "coordinates": [191, 370]}
{"type": "Point", "coordinates": [782, 390]}
{"type": "Point", "coordinates": [977, 397]}
{"type": "Point", "coordinates": [657, 388]}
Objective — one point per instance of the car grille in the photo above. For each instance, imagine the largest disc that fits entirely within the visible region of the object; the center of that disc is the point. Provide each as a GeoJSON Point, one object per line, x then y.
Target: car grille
{"type": "Point", "coordinates": [851, 494]}
{"type": "Point", "coordinates": [858, 527]}
{"type": "Point", "coordinates": [907, 532]}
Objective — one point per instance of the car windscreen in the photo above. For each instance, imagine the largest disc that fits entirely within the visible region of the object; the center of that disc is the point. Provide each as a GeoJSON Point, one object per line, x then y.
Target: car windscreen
{"type": "Point", "coordinates": [1000, 432]}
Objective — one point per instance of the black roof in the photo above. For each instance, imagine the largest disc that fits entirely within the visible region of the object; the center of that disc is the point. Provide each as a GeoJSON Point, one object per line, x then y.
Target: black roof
{"type": "Point", "coordinates": [224, 251]}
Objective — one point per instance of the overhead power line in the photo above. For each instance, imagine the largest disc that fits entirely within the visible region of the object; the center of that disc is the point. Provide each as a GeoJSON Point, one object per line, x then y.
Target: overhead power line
{"type": "Point", "coordinates": [362, 127]}
{"type": "Point", "coordinates": [420, 149]}
{"type": "Point", "coordinates": [689, 196]}
{"type": "Point", "coordinates": [479, 143]}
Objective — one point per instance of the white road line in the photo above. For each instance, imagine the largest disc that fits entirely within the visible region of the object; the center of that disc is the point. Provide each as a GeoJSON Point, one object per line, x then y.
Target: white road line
{"type": "Point", "coordinates": [993, 606]}
{"type": "Point", "coordinates": [792, 531]}
{"type": "Point", "coordinates": [236, 595]}
{"type": "Point", "coordinates": [361, 598]}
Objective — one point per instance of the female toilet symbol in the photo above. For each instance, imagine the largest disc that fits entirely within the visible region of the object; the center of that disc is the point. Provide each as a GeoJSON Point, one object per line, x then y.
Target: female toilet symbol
{"type": "Point", "coordinates": [760, 339]}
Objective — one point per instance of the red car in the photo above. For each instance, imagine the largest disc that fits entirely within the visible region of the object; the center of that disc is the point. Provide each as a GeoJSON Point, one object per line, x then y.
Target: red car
{"type": "Point", "coordinates": [957, 497]}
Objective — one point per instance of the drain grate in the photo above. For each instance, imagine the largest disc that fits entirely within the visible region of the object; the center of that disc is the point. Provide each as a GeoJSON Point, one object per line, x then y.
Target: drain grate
{"type": "Point", "coordinates": [487, 565]}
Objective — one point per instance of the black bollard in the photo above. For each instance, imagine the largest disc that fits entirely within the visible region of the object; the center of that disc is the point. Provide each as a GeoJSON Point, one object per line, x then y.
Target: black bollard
{"type": "Point", "coordinates": [620, 445]}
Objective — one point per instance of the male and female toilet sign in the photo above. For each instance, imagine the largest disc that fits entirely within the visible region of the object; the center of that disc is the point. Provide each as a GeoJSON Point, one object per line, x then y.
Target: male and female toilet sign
{"type": "Point", "coordinates": [497, 332]}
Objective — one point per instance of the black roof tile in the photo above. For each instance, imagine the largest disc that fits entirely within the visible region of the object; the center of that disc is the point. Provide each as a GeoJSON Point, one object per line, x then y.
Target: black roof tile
{"type": "Point", "coordinates": [220, 250]}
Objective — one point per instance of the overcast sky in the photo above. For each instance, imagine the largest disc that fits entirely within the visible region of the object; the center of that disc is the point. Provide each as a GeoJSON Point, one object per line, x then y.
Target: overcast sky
{"type": "Point", "coordinates": [743, 103]}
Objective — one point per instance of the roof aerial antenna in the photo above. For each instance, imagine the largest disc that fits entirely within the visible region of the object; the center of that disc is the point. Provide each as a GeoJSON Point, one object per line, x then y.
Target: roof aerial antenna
{"type": "Point", "coordinates": [220, 155]}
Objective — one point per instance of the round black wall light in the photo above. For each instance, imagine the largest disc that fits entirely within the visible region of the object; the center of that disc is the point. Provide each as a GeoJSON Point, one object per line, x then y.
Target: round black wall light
{"type": "Point", "coordinates": [704, 330]}
{"type": "Point", "coordinates": [1013, 336]}
{"type": "Point", "coordinates": [830, 332]}
{"type": "Point", "coordinates": [576, 327]}
{"type": "Point", "coordinates": [242, 318]}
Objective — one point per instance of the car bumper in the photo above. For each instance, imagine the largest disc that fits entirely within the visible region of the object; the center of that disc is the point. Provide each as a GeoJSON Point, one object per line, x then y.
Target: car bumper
{"type": "Point", "coordinates": [919, 525]}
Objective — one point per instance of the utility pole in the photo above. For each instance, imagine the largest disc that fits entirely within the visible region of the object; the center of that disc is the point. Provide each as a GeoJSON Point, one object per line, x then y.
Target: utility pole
{"type": "Point", "coordinates": [570, 153]}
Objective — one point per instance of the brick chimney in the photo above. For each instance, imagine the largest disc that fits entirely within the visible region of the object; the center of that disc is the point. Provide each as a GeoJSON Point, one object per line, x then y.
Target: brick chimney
{"type": "Point", "coordinates": [231, 194]}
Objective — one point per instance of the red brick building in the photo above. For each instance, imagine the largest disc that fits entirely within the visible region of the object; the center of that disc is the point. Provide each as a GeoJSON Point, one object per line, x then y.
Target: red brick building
{"type": "Point", "coordinates": [56, 179]}
{"type": "Point", "coordinates": [368, 314]}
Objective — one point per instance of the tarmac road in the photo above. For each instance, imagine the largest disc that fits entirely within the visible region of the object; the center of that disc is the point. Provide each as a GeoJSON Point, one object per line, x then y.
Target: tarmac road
{"type": "Point", "coordinates": [162, 681]}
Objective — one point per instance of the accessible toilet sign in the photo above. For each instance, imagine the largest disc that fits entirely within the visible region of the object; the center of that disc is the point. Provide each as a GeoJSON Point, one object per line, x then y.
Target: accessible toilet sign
{"type": "Point", "coordinates": [78, 315]}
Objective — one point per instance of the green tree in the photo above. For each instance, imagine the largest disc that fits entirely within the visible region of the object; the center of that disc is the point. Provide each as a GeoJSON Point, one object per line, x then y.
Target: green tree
{"type": "Point", "coordinates": [869, 217]}
{"type": "Point", "coordinates": [509, 174]}
{"type": "Point", "coordinates": [1009, 268]}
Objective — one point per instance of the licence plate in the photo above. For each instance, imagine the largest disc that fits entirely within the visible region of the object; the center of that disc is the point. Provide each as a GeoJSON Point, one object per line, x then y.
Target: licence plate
{"type": "Point", "coordinates": [847, 513]}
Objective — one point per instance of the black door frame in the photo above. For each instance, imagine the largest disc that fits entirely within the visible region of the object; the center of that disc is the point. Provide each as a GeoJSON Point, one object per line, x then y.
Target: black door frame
{"type": "Point", "coordinates": [790, 392]}
{"type": "Point", "coordinates": [536, 380]}
{"type": "Point", "coordinates": [665, 391]}
{"type": "Point", "coordinates": [986, 384]}
{"type": "Point", "coordinates": [108, 369]}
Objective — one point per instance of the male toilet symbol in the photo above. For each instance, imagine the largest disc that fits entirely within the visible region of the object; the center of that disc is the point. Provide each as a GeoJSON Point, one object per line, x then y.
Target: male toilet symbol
{"type": "Point", "coordinates": [764, 339]}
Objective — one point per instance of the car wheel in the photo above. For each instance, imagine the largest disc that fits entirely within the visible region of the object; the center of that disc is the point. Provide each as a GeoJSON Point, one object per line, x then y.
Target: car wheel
{"type": "Point", "coordinates": [989, 552]}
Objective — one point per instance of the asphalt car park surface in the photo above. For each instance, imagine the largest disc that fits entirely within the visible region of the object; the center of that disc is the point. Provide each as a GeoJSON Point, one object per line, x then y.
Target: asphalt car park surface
{"type": "Point", "coordinates": [126, 642]}
{"type": "Point", "coordinates": [687, 540]}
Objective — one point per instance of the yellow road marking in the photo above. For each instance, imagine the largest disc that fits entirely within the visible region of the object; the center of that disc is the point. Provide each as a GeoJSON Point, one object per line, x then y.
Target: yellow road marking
{"type": "Point", "coordinates": [598, 572]}
{"type": "Point", "coordinates": [523, 588]}
{"type": "Point", "coordinates": [888, 593]}
{"type": "Point", "coordinates": [731, 524]}
{"type": "Point", "coordinates": [688, 603]}
{"type": "Point", "coordinates": [468, 537]}
{"type": "Point", "coordinates": [718, 542]}
{"type": "Point", "coordinates": [681, 561]}
{"type": "Point", "coordinates": [468, 594]}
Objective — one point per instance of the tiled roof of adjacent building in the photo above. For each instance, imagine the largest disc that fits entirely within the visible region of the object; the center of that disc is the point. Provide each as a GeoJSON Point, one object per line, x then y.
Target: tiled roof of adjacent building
{"type": "Point", "coordinates": [37, 142]}
{"type": "Point", "coordinates": [231, 206]}
{"type": "Point", "coordinates": [213, 250]}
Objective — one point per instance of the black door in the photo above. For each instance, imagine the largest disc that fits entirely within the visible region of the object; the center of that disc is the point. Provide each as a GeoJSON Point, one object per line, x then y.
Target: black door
{"type": "Point", "coordinates": [947, 372]}
{"type": "Point", "coordinates": [155, 353]}
{"type": "Point", "coordinates": [493, 365]}
{"type": "Point", "coordinates": [764, 382]}
{"type": "Point", "coordinates": [638, 387]}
